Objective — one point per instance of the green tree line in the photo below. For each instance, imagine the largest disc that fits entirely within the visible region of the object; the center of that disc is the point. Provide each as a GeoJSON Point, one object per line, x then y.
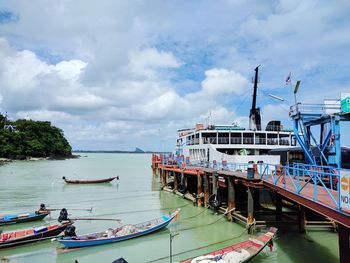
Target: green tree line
{"type": "Point", "coordinates": [32, 138]}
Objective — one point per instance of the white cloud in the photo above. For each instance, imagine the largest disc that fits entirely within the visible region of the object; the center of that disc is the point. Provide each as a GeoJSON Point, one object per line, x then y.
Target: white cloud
{"type": "Point", "coordinates": [70, 69]}
{"type": "Point", "coordinates": [220, 81]}
{"type": "Point", "coordinates": [147, 61]}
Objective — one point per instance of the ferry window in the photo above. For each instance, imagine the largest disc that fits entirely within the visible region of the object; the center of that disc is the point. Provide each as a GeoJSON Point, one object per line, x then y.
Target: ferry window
{"type": "Point", "coordinates": [209, 137]}
{"type": "Point", "coordinates": [284, 139]}
{"type": "Point", "coordinates": [223, 138]}
{"type": "Point", "coordinates": [236, 138]}
{"type": "Point", "coordinates": [248, 138]}
{"type": "Point", "coordinates": [272, 139]}
{"type": "Point", "coordinates": [294, 141]}
{"type": "Point", "coordinates": [260, 138]}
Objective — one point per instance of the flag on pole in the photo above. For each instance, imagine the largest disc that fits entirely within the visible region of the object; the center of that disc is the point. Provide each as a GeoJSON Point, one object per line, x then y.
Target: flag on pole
{"type": "Point", "coordinates": [289, 78]}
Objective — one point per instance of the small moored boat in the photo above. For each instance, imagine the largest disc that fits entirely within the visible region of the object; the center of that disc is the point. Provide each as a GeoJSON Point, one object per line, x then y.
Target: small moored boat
{"type": "Point", "coordinates": [86, 181]}
{"type": "Point", "coordinates": [119, 234]}
{"type": "Point", "coordinates": [21, 237]}
{"type": "Point", "coordinates": [241, 252]}
{"type": "Point", "coordinates": [24, 217]}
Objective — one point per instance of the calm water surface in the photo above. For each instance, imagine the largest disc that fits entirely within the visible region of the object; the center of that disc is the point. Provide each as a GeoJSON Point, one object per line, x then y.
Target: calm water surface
{"type": "Point", "coordinates": [135, 198]}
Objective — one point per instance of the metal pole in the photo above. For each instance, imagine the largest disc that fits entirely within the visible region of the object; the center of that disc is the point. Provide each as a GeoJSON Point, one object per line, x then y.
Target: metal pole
{"type": "Point", "coordinates": [171, 248]}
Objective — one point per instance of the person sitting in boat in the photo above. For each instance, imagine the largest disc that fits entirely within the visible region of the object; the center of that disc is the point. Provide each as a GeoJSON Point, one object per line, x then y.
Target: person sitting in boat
{"type": "Point", "coordinates": [63, 215]}
{"type": "Point", "coordinates": [42, 209]}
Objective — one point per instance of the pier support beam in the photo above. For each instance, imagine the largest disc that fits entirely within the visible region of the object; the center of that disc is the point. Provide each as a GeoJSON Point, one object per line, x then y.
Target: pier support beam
{"type": "Point", "coordinates": [161, 171]}
{"type": "Point", "coordinates": [215, 183]}
{"type": "Point", "coordinates": [199, 189]}
{"type": "Point", "coordinates": [344, 244]}
{"type": "Point", "coordinates": [302, 219]}
{"type": "Point", "coordinates": [175, 181]}
{"type": "Point", "coordinates": [206, 189]}
{"type": "Point", "coordinates": [231, 197]}
{"type": "Point", "coordinates": [256, 199]}
{"type": "Point", "coordinates": [250, 219]}
{"type": "Point", "coordinates": [165, 174]}
{"type": "Point", "coordinates": [278, 207]}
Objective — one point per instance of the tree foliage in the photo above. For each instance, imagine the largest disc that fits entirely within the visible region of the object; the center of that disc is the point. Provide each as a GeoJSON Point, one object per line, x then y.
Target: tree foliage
{"type": "Point", "coordinates": [32, 138]}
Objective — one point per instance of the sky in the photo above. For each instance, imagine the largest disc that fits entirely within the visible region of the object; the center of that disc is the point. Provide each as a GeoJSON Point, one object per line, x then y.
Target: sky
{"type": "Point", "coordinates": [115, 75]}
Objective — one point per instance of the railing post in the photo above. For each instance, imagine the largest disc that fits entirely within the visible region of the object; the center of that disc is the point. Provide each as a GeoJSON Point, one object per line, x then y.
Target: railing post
{"type": "Point", "coordinates": [315, 186]}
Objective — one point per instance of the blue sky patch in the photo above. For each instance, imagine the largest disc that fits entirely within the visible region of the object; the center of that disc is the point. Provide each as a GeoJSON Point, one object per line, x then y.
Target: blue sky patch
{"type": "Point", "coordinates": [8, 17]}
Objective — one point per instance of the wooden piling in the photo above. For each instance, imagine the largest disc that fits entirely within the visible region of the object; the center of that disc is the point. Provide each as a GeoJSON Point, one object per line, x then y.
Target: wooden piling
{"type": "Point", "coordinates": [175, 181]}
{"type": "Point", "coordinates": [206, 189]}
{"type": "Point", "coordinates": [302, 219]}
{"type": "Point", "coordinates": [215, 182]}
{"type": "Point", "coordinates": [161, 177]}
{"type": "Point", "coordinates": [278, 207]}
{"type": "Point", "coordinates": [344, 244]}
{"type": "Point", "coordinates": [231, 197]}
{"type": "Point", "coordinates": [199, 189]}
{"type": "Point", "coordinates": [250, 219]}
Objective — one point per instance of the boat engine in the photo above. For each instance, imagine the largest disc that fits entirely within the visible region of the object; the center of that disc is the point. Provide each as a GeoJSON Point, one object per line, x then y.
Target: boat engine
{"type": "Point", "coordinates": [70, 231]}
{"type": "Point", "coordinates": [63, 215]}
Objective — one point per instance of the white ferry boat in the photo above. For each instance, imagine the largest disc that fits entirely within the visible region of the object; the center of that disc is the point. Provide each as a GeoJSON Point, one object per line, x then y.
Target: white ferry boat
{"type": "Point", "coordinates": [231, 143]}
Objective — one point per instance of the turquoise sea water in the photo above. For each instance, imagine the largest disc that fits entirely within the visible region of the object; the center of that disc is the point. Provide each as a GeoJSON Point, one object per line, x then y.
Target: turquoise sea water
{"type": "Point", "coordinates": [134, 198]}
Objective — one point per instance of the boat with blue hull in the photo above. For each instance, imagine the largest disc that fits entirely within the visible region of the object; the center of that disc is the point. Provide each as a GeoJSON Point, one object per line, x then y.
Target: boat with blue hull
{"type": "Point", "coordinates": [21, 218]}
{"type": "Point", "coordinates": [122, 233]}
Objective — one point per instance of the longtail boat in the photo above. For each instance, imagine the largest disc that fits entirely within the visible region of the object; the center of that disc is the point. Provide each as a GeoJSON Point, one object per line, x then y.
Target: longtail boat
{"type": "Point", "coordinates": [86, 181]}
{"type": "Point", "coordinates": [241, 252]}
{"type": "Point", "coordinates": [24, 217]}
{"type": "Point", "coordinates": [118, 234]}
{"type": "Point", "coordinates": [21, 237]}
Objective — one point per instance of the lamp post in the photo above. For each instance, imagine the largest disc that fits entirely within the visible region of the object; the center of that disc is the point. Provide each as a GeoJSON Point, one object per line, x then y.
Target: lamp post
{"type": "Point", "coordinates": [172, 235]}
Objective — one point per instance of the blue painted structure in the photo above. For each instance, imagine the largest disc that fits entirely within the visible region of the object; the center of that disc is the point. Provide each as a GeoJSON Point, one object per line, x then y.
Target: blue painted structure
{"type": "Point", "coordinates": [327, 150]}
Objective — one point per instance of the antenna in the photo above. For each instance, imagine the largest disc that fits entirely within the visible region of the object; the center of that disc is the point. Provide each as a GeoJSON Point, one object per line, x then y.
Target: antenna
{"type": "Point", "coordinates": [276, 97]}
{"type": "Point", "coordinates": [296, 87]}
{"type": "Point", "coordinates": [254, 116]}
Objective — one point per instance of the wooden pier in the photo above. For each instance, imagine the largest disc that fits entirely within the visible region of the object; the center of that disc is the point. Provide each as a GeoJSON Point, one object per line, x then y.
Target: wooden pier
{"type": "Point", "coordinates": [255, 200]}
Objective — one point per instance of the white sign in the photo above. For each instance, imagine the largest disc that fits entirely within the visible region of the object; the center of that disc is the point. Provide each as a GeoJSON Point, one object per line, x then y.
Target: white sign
{"type": "Point", "coordinates": [345, 102]}
{"type": "Point", "coordinates": [345, 190]}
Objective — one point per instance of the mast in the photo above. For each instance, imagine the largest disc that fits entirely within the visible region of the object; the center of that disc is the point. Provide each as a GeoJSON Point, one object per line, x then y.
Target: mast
{"type": "Point", "coordinates": [254, 116]}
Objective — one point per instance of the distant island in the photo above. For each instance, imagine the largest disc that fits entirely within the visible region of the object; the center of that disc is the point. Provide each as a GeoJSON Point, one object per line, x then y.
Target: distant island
{"type": "Point", "coordinates": [24, 139]}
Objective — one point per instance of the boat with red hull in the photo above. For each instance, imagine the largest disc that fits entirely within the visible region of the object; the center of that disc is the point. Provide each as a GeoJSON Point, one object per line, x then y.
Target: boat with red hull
{"type": "Point", "coordinates": [33, 234]}
{"type": "Point", "coordinates": [86, 181]}
{"type": "Point", "coordinates": [241, 252]}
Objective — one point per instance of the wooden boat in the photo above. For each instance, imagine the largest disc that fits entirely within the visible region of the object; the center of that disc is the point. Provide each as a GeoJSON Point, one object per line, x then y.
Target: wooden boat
{"type": "Point", "coordinates": [21, 237]}
{"type": "Point", "coordinates": [20, 218]}
{"type": "Point", "coordinates": [119, 234]}
{"type": "Point", "coordinates": [85, 181]}
{"type": "Point", "coordinates": [241, 252]}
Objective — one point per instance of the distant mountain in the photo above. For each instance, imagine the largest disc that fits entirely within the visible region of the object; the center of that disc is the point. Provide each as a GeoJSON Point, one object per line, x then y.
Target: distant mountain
{"type": "Point", "coordinates": [138, 150]}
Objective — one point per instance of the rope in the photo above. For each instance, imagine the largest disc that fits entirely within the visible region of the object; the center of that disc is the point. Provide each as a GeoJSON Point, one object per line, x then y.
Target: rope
{"type": "Point", "coordinates": [143, 210]}
{"type": "Point", "coordinates": [106, 199]}
{"type": "Point", "coordinates": [187, 218]}
{"type": "Point", "coordinates": [198, 248]}
{"type": "Point", "coordinates": [211, 223]}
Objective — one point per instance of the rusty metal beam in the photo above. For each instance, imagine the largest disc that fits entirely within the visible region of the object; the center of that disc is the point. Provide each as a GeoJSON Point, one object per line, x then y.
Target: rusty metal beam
{"type": "Point", "coordinates": [318, 208]}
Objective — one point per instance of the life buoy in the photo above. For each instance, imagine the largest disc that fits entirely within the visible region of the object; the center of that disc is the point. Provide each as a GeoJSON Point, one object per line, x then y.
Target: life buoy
{"type": "Point", "coordinates": [181, 188]}
{"type": "Point", "coordinates": [215, 201]}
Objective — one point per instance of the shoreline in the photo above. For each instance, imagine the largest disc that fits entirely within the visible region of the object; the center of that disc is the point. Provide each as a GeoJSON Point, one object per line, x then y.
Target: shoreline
{"type": "Point", "coordinates": [31, 158]}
